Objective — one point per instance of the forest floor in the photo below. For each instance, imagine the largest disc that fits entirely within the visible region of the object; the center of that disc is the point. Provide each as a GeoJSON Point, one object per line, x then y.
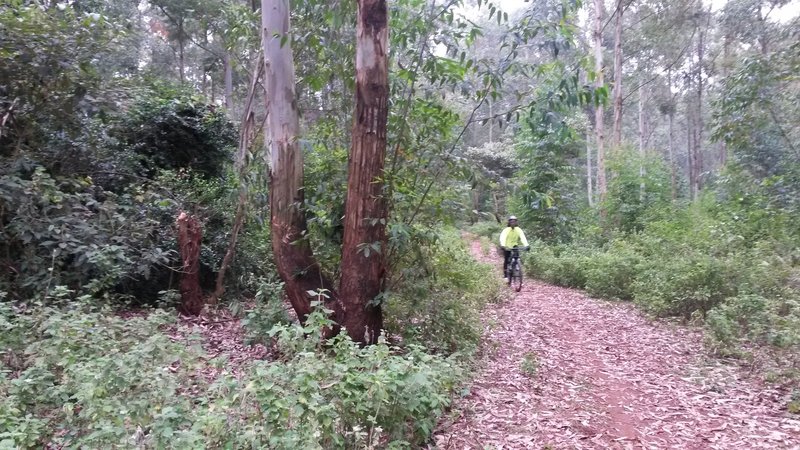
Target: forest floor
{"type": "Point", "coordinates": [565, 371]}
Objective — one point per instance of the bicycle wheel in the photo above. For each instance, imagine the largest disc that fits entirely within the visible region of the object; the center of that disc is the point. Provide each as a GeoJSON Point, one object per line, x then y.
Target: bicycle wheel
{"type": "Point", "coordinates": [516, 278]}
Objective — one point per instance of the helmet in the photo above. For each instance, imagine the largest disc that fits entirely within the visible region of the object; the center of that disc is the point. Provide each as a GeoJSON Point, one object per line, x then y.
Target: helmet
{"type": "Point", "coordinates": [512, 217]}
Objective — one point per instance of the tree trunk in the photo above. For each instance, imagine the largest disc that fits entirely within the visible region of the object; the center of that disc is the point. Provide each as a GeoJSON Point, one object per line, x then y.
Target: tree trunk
{"type": "Point", "coordinates": [671, 150]}
{"type": "Point", "coordinates": [589, 193]}
{"type": "Point", "coordinates": [190, 236]}
{"type": "Point", "coordinates": [617, 128]}
{"type": "Point", "coordinates": [762, 32]}
{"type": "Point", "coordinates": [671, 138]}
{"type": "Point", "coordinates": [698, 159]}
{"type": "Point", "coordinates": [642, 121]}
{"type": "Point", "coordinates": [294, 259]}
{"type": "Point", "coordinates": [642, 137]}
{"type": "Point", "coordinates": [475, 196]}
{"type": "Point", "coordinates": [365, 245]}
{"type": "Point", "coordinates": [598, 112]}
{"type": "Point", "coordinates": [589, 117]}
{"type": "Point", "coordinates": [228, 83]}
{"type": "Point", "coordinates": [203, 71]}
{"type": "Point", "coordinates": [247, 134]}
{"type": "Point", "coordinates": [726, 55]}
{"type": "Point", "coordinates": [498, 208]}
{"type": "Point", "coordinates": [181, 61]}
{"type": "Point", "coordinates": [491, 121]}
{"type": "Point", "coordinates": [690, 148]}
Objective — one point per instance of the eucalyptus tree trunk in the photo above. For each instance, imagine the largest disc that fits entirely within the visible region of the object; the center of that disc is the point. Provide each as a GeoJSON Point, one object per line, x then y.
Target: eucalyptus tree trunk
{"type": "Point", "coordinates": [228, 83]}
{"type": "Point", "coordinates": [475, 196]}
{"type": "Point", "coordinates": [366, 210]}
{"type": "Point", "coordinates": [642, 121]}
{"type": "Point", "coordinates": [598, 112]}
{"type": "Point", "coordinates": [691, 148]}
{"type": "Point", "coordinates": [181, 61]}
{"type": "Point", "coordinates": [491, 121]}
{"type": "Point", "coordinates": [642, 153]}
{"type": "Point", "coordinates": [589, 193]}
{"type": "Point", "coordinates": [617, 128]}
{"type": "Point", "coordinates": [671, 150]}
{"type": "Point", "coordinates": [293, 256]}
{"type": "Point", "coordinates": [726, 55]}
{"type": "Point", "coordinates": [671, 138]}
{"type": "Point", "coordinates": [699, 124]}
{"type": "Point", "coordinates": [588, 137]}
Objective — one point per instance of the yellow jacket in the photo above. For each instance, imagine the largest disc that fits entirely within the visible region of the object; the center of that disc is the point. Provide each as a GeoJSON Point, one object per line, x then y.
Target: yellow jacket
{"type": "Point", "coordinates": [513, 237]}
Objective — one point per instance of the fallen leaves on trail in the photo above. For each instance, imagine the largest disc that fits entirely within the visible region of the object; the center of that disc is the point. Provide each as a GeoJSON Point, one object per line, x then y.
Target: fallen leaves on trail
{"type": "Point", "coordinates": [223, 341]}
{"type": "Point", "coordinates": [608, 377]}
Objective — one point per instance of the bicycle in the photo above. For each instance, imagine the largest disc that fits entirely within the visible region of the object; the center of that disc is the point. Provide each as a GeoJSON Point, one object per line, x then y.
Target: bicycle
{"type": "Point", "coordinates": [514, 274]}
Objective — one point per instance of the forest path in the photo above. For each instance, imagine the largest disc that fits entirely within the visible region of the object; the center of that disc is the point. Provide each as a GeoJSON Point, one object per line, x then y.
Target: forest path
{"type": "Point", "coordinates": [564, 371]}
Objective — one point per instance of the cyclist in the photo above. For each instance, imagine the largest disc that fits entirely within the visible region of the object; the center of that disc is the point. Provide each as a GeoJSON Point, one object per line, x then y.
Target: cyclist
{"type": "Point", "coordinates": [511, 236]}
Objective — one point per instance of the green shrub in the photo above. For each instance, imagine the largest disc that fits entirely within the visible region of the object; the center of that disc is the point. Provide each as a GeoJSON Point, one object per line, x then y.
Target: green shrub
{"type": "Point", "coordinates": [438, 301]}
{"type": "Point", "coordinates": [167, 130]}
{"type": "Point", "coordinates": [633, 195]}
{"type": "Point", "coordinates": [83, 377]}
{"type": "Point", "coordinates": [489, 229]}
{"type": "Point", "coordinates": [538, 259]}
{"type": "Point", "coordinates": [269, 310]}
{"type": "Point", "coordinates": [563, 266]}
{"type": "Point", "coordinates": [57, 232]}
{"type": "Point", "coordinates": [610, 274]}
{"type": "Point", "coordinates": [347, 397]}
{"type": "Point", "coordinates": [739, 317]}
{"type": "Point", "coordinates": [756, 319]}
{"type": "Point", "coordinates": [684, 284]}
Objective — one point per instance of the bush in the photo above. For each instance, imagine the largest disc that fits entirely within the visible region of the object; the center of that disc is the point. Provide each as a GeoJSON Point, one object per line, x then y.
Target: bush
{"type": "Point", "coordinates": [756, 319]}
{"type": "Point", "coordinates": [60, 233]}
{"type": "Point", "coordinates": [538, 259]}
{"type": "Point", "coordinates": [83, 377]}
{"type": "Point", "coordinates": [166, 129]}
{"type": "Point", "coordinates": [610, 274]}
{"type": "Point", "coordinates": [684, 284]}
{"type": "Point", "coordinates": [348, 397]}
{"type": "Point", "coordinates": [564, 265]}
{"type": "Point", "coordinates": [269, 310]}
{"type": "Point", "coordinates": [633, 197]}
{"type": "Point", "coordinates": [490, 230]}
{"type": "Point", "coordinates": [439, 297]}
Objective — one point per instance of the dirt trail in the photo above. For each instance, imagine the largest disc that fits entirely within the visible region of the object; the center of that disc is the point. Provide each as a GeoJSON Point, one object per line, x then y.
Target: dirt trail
{"type": "Point", "coordinates": [564, 371]}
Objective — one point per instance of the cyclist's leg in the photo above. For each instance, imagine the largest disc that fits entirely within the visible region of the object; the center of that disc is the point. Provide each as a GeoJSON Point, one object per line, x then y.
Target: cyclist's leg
{"type": "Point", "coordinates": [506, 261]}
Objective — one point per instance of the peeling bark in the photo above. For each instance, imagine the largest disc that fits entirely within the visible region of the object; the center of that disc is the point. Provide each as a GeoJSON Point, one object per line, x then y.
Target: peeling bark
{"type": "Point", "coordinates": [294, 259]}
{"type": "Point", "coordinates": [365, 245]}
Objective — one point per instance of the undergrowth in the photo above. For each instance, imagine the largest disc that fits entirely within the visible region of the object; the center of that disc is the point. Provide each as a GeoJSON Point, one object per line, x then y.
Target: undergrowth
{"type": "Point", "coordinates": [438, 300]}
{"type": "Point", "coordinates": [77, 375]}
{"type": "Point", "coordinates": [83, 377]}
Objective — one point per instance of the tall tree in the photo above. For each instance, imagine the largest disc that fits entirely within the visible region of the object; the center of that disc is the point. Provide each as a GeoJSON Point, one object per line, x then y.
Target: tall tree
{"type": "Point", "coordinates": [364, 247]}
{"type": "Point", "coordinates": [617, 126]}
{"type": "Point", "coordinates": [363, 265]}
{"type": "Point", "coordinates": [702, 23]}
{"type": "Point", "coordinates": [668, 108]}
{"type": "Point", "coordinates": [293, 256]}
{"type": "Point", "coordinates": [602, 186]}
